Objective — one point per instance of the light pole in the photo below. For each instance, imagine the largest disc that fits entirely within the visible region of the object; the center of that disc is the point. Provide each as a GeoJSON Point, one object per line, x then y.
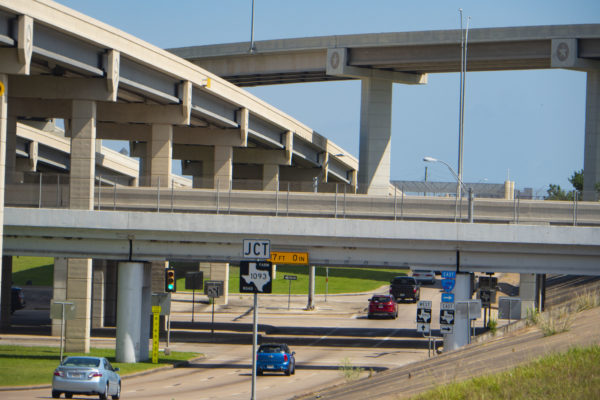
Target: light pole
{"type": "Point", "coordinates": [459, 182]}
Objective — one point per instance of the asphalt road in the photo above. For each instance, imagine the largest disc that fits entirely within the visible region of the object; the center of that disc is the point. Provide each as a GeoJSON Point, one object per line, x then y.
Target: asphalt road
{"type": "Point", "coordinates": [323, 338]}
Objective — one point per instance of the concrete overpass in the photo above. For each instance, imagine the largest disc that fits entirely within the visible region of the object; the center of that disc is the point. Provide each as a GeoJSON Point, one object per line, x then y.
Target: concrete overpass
{"type": "Point", "coordinates": [378, 60]}
{"type": "Point", "coordinates": [106, 84]}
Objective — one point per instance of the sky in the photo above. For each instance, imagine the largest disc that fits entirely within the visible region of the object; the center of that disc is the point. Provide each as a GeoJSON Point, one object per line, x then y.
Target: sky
{"type": "Point", "coordinates": [524, 125]}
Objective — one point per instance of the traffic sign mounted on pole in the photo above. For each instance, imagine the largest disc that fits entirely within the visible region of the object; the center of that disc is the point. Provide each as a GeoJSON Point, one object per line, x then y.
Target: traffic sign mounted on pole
{"type": "Point", "coordinates": [257, 249]}
{"type": "Point", "coordinates": [255, 276]}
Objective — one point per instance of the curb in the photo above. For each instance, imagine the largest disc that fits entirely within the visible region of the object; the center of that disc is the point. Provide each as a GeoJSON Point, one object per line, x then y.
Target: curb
{"type": "Point", "coordinates": [124, 377]}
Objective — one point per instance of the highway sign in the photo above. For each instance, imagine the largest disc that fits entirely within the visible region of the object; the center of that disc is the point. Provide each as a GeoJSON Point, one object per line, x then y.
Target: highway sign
{"type": "Point", "coordinates": [424, 315]}
{"type": "Point", "coordinates": [424, 328]}
{"type": "Point", "coordinates": [289, 258]}
{"type": "Point", "coordinates": [424, 304]}
{"type": "Point", "coordinates": [290, 277]}
{"type": "Point", "coordinates": [448, 297]}
{"type": "Point", "coordinates": [448, 274]}
{"type": "Point", "coordinates": [258, 249]}
{"type": "Point", "coordinates": [255, 276]}
{"type": "Point", "coordinates": [446, 328]}
{"type": "Point", "coordinates": [214, 289]}
{"type": "Point", "coordinates": [448, 285]}
{"type": "Point", "coordinates": [446, 317]}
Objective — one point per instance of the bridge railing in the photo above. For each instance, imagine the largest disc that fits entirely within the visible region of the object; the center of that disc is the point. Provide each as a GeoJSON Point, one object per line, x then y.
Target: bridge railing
{"type": "Point", "coordinates": [52, 191]}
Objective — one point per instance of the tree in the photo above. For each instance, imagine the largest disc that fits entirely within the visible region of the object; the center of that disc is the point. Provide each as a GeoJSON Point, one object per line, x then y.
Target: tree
{"type": "Point", "coordinates": [555, 192]}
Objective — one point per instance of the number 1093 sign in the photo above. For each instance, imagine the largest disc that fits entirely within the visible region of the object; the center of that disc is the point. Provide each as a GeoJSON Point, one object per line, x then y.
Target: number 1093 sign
{"type": "Point", "coordinates": [255, 276]}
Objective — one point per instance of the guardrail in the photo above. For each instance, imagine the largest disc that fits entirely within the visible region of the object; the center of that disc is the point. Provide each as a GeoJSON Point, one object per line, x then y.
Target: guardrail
{"type": "Point", "coordinates": [53, 192]}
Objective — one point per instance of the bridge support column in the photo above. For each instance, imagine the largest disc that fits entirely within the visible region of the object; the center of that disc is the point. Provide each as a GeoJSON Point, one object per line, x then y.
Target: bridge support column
{"type": "Point", "coordinates": [81, 196]}
{"type": "Point", "coordinates": [223, 167]}
{"type": "Point", "coordinates": [311, 288]}
{"type": "Point", "coordinates": [98, 292]}
{"type": "Point", "coordinates": [161, 155]}
{"type": "Point", "coordinates": [527, 293]}
{"type": "Point", "coordinates": [270, 178]}
{"type": "Point", "coordinates": [460, 336]}
{"type": "Point", "coordinates": [591, 153]}
{"type": "Point", "coordinates": [375, 136]}
{"type": "Point", "coordinates": [133, 312]}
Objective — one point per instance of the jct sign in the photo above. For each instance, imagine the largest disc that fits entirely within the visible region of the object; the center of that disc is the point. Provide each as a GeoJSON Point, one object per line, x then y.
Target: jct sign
{"type": "Point", "coordinates": [257, 249]}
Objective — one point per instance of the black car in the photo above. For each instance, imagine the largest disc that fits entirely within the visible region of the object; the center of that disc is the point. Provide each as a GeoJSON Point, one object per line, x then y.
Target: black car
{"type": "Point", "coordinates": [17, 300]}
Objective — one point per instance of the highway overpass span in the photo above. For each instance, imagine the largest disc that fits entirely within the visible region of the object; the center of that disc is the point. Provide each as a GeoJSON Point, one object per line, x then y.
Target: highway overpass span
{"type": "Point", "coordinates": [142, 236]}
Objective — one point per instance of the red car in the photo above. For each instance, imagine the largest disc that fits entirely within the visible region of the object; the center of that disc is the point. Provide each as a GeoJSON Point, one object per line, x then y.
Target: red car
{"type": "Point", "coordinates": [383, 305]}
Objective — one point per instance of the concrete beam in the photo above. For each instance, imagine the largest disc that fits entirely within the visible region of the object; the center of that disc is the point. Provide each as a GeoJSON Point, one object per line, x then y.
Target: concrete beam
{"type": "Point", "coordinates": [115, 131]}
{"type": "Point", "coordinates": [337, 65]}
{"type": "Point", "coordinates": [207, 136]}
{"type": "Point", "coordinates": [40, 108]}
{"type": "Point", "coordinates": [259, 156]}
{"type": "Point", "coordinates": [141, 113]}
{"type": "Point", "coordinates": [56, 87]}
{"type": "Point", "coordinates": [112, 73]}
{"type": "Point", "coordinates": [565, 54]}
{"type": "Point", "coordinates": [336, 242]}
{"type": "Point", "coordinates": [193, 152]}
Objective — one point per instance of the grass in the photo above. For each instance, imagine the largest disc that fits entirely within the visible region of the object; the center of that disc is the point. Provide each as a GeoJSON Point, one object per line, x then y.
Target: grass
{"type": "Point", "coordinates": [349, 371]}
{"type": "Point", "coordinates": [37, 270]}
{"type": "Point", "coordinates": [571, 375]}
{"type": "Point", "coordinates": [341, 280]}
{"type": "Point", "coordinates": [24, 366]}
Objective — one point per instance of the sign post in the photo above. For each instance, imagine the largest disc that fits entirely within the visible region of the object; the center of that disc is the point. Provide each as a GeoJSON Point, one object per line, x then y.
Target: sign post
{"type": "Point", "coordinates": [256, 277]}
{"type": "Point", "coordinates": [290, 278]}
{"type": "Point", "coordinates": [213, 289]}
{"type": "Point", "coordinates": [65, 311]}
{"type": "Point", "coordinates": [446, 317]}
{"type": "Point", "coordinates": [424, 321]}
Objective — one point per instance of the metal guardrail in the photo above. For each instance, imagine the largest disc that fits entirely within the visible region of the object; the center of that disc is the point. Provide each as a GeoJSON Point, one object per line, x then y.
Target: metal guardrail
{"type": "Point", "coordinates": [52, 191]}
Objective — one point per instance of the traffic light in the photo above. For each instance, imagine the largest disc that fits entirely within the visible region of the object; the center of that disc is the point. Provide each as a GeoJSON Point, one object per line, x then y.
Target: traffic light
{"type": "Point", "coordinates": [170, 283]}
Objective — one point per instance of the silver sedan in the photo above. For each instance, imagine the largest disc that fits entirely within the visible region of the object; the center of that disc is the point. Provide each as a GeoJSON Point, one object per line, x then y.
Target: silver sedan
{"type": "Point", "coordinates": [88, 376]}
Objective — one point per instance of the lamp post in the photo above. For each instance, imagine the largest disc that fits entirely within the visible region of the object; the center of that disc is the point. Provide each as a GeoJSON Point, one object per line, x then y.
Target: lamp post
{"type": "Point", "coordinates": [459, 182]}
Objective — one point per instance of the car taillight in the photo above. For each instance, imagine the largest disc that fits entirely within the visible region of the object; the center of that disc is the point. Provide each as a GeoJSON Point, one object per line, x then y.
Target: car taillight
{"type": "Point", "coordinates": [59, 373]}
{"type": "Point", "coordinates": [414, 290]}
{"type": "Point", "coordinates": [285, 357]}
{"type": "Point", "coordinates": [94, 375]}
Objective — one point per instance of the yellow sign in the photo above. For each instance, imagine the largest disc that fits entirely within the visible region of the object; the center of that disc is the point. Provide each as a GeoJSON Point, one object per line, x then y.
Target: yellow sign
{"type": "Point", "coordinates": [289, 257]}
{"type": "Point", "coordinates": [1, 89]}
{"type": "Point", "coordinates": [155, 332]}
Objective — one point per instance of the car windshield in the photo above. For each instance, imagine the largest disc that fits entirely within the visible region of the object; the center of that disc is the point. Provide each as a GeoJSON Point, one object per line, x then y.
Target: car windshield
{"type": "Point", "coordinates": [81, 362]}
{"type": "Point", "coordinates": [270, 349]}
{"type": "Point", "coordinates": [422, 272]}
{"type": "Point", "coordinates": [381, 299]}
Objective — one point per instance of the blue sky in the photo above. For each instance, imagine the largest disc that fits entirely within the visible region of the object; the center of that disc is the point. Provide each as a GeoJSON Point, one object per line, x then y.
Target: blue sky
{"type": "Point", "coordinates": [526, 124]}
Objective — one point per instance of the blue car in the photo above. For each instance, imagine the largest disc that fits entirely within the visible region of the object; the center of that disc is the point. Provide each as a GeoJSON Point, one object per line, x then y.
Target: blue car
{"type": "Point", "coordinates": [275, 357]}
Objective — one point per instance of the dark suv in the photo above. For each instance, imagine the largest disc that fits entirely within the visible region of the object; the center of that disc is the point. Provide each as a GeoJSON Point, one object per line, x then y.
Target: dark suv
{"type": "Point", "coordinates": [404, 288]}
{"type": "Point", "coordinates": [17, 300]}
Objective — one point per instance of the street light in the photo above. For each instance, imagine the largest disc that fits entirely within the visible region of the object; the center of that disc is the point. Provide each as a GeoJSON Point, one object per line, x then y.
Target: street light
{"type": "Point", "coordinates": [458, 180]}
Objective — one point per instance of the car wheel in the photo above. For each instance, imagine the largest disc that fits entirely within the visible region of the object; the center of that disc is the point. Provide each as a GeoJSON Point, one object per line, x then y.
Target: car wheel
{"type": "Point", "coordinates": [104, 396]}
{"type": "Point", "coordinates": [259, 372]}
{"type": "Point", "coordinates": [68, 395]}
{"type": "Point", "coordinates": [288, 371]}
{"type": "Point", "coordinates": [117, 396]}
{"type": "Point", "coordinates": [55, 394]}
{"type": "Point", "coordinates": [294, 369]}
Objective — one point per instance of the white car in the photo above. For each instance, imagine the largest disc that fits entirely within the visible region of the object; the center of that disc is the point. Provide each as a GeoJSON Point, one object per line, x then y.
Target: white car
{"type": "Point", "coordinates": [86, 375]}
{"type": "Point", "coordinates": [424, 276]}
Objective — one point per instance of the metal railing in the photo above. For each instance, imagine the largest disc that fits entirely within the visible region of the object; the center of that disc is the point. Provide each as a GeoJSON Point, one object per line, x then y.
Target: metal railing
{"type": "Point", "coordinates": [52, 191]}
